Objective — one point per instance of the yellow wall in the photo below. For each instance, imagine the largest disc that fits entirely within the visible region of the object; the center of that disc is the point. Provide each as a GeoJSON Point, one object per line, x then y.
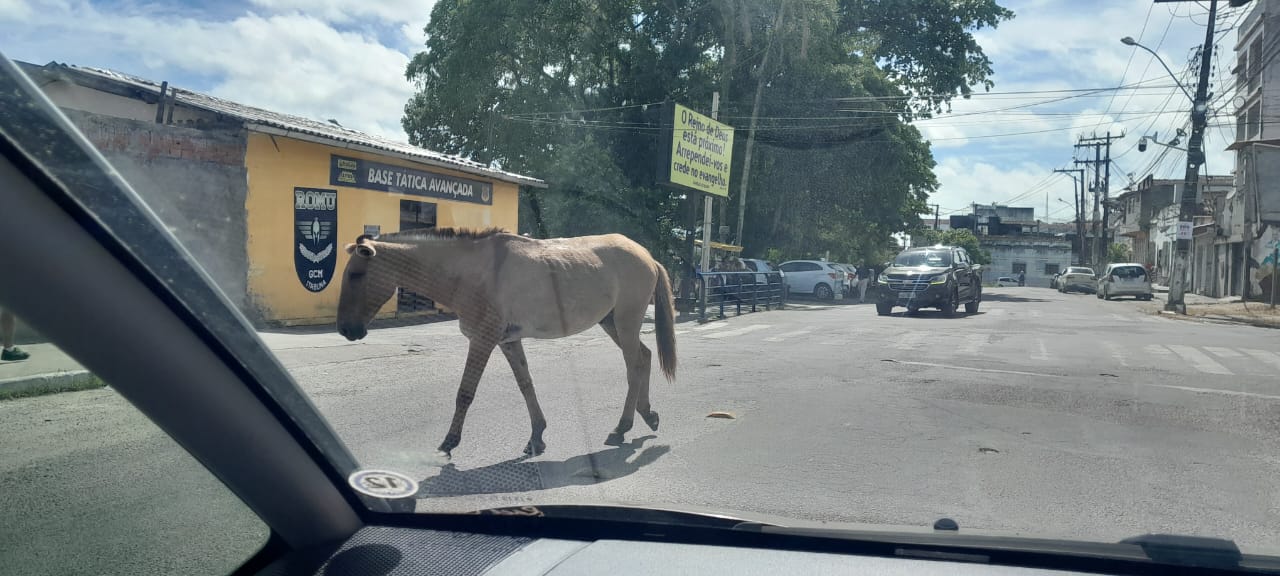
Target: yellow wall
{"type": "Point", "coordinates": [276, 165]}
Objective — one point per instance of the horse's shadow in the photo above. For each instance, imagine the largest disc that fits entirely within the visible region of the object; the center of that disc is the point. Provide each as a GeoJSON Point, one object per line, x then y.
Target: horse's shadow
{"type": "Point", "coordinates": [520, 475]}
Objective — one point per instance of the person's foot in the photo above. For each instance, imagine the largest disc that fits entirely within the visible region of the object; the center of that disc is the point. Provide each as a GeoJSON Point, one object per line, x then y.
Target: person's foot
{"type": "Point", "coordinates": [13, 354]}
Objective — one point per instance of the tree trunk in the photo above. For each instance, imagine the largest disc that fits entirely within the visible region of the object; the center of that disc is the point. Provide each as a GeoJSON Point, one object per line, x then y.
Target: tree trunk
{"type": "Point", "coordinates": [755, 112]}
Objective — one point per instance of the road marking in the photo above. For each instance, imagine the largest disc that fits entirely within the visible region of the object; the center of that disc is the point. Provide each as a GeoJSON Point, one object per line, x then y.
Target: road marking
{"type": "Point", "coordinates": [711, 326]}
{"type": "Point", "coordinates": [785, 335]}
{"type": "Point", "coordinates": [1200, 360]}
{"type": "Point", "coordinates": [1043, 354]}
{"type": "Point", "coordinates": [1217, 391]}
{"type": "Point", "coordinates": [1035, 313]}
{"type": "Point", "coordinates": [1223, 352]}
{"type": "Point", "coordinates": [738, 332]}
{"type": "Point", "coordinates": [909, 340]}
{"type": "Point", "coordinates": [1116, 352]}
{"type": "Point", "coordinates": [973, 344]}
{"type": "Point", "coordinates": [1265, 357]}
{"type": "Point", "coordinates": [966, 368]}
{"type": "Point", "coordinates": [679, 332]}
{"type": "Point", "coordinates": [996, 311]}
{"type": "Point", "coordinates": [1156, 349]}
{"type": "Point", "coordinates": [1119, 317]}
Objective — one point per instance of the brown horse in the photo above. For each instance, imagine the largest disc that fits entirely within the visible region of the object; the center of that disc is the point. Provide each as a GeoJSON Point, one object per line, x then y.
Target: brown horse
{"type": "Point", "coordinates": [504, 288]}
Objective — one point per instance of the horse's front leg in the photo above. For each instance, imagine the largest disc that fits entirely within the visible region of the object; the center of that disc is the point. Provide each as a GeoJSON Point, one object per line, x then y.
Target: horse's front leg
{"type": "Point", "coordinates": [514, 351]}
{"type": "Point", "coordinates": [477, 356]}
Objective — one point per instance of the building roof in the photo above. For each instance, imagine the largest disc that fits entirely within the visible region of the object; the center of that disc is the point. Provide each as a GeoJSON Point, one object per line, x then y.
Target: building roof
{"type": "Point", "coordinates": [287, 125]}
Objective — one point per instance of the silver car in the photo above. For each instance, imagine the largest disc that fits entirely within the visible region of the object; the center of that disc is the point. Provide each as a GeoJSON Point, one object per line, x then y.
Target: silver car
{"type": "Point", "coordinates": [1127, 279]}
{"type": "Point", "coordinates": [1077, 278]}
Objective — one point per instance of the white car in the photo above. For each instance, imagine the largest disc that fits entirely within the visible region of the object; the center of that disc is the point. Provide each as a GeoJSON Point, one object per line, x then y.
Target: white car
{"type": "Point", "coordinates": [1077, 278]}
{"type": "Point", "coordinates": [1006, 281]}
{"type": "Point", "coordinates": [1127, 279]}
{"type": "Point", "coordinates": [757, 265]}
{"type": "Point", "coordinates": [824, 280]}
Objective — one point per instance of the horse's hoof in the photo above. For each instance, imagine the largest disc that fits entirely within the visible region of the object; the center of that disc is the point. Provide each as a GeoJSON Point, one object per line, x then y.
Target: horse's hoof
{"type": "Point", "coordinates": [534, 448]}
{"type": "Point", "coordinates": [440, 459]}
{"type": "Point", "coordinates": [615, 439]}
{"type": "Point", "coordinates": [651, 419]}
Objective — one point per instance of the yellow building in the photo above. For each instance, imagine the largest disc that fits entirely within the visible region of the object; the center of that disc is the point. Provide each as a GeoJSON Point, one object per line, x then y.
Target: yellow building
{"type": "Point", "coordinates": [266, 201]}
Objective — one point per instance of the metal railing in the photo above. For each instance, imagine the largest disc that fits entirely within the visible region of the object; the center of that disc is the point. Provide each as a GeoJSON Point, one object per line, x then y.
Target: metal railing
{"type": "Point", "coordinates": [716, 290]}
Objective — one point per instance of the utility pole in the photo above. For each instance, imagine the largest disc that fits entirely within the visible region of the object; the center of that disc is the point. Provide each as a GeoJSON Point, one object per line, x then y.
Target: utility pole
{"type": "Point", "coordinates": [1101, 190]}
{"type": "Point", "coordinates": [1078, 197]}
{"type": "Point", "coordinates": [937, 210]}
{"type": "Point", "coordinates": [1195, 158]}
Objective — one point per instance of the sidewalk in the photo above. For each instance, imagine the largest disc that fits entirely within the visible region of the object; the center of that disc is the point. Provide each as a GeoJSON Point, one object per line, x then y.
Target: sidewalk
{"type": "Point", "coordinates": [1228, 309]}
{"type": "Point", "coordinates": [47, 370]}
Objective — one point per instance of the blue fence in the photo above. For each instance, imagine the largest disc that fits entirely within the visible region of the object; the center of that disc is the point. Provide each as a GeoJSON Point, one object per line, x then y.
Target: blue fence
{"type": "Point", "coordinates": [738, 290]}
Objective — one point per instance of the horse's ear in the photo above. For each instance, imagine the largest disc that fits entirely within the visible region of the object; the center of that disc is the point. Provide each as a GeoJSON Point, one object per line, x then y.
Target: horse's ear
{"type": "Point", "coordinates": [364, 250]}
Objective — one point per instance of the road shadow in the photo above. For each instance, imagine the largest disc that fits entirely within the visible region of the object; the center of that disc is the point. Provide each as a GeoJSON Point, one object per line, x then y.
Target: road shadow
{"type": "Point", "coordinates": [521, 475]}
{"type": "Point", "coordinates": [330, 327]}
{"type": "Point", "coordinates": [1003, 297]}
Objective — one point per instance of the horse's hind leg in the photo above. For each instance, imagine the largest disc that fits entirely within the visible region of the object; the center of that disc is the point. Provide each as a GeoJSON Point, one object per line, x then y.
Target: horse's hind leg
{"type": "Point", "coordinates": [514, 351]}
{"type": "Point", "coordinates": [638, 359]}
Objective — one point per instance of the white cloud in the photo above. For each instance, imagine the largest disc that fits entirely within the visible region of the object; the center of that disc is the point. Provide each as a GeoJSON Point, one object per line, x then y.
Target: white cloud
{"type": "Point", "coordinates": [14, 10]}
{"type": "Point", "coordinates": [287, 62]}
{"type": "Point", "coordinates": [967, 179]}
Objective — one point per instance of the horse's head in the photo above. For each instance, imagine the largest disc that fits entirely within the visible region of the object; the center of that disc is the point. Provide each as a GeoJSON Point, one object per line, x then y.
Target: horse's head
{"type": "Point", "coordinates": [367, 283]}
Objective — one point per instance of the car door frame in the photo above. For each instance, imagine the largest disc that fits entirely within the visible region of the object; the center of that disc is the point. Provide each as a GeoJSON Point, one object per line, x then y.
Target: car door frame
{"type": "Point", "coordinates": [964, 278]}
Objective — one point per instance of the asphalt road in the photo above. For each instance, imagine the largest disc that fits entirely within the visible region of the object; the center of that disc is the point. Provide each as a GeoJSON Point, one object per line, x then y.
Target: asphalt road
{"type": "Point", "coordinates": [1043, 414]}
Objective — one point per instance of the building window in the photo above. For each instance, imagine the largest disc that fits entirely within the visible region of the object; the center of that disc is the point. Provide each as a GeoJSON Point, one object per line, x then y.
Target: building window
{"type": "Point", "coordinates": [1019, 267]}
{"type": "Point", "coordinates": [1242, 127]}
{"type": "Point", "coordinates": [1254, 120]}
{"type": "Point", "coordinates": [1255, 63]}
{"type": "Point", "coordinates": [1050, 269]}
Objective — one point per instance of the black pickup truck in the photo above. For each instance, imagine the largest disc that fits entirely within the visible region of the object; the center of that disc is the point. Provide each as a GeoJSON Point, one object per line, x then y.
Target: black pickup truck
{"type": "Point", "coordinates": [941, 277]}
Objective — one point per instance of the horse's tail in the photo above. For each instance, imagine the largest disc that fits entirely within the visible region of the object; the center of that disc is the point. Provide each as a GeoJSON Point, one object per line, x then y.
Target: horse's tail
{"type": "Point", "coordinates": [664, 319]}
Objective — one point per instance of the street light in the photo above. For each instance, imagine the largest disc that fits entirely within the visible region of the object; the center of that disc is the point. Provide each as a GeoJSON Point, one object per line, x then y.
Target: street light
{"type": "Point", "coordinates": [1129, 41]}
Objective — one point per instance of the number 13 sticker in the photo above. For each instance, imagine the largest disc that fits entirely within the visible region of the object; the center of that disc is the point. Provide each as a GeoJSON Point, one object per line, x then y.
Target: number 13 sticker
{"type": "Point", "coordinates": [383, 484]}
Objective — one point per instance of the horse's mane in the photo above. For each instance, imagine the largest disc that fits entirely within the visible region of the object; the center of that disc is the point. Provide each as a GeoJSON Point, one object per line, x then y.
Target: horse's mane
{"type": "Point", "coordinates": [444, 233]}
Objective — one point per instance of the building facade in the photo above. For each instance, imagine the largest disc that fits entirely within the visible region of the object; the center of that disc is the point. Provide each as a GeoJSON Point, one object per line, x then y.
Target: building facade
{"type": "Point", "coordinates": [264, 201]}
{"type": "Point", "coordinates": [1256, 209]}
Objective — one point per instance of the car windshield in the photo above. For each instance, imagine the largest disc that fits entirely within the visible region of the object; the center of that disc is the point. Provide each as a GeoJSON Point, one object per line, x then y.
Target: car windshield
{"type": "Point", "coordinates": [493, 245]}
{"type": "Point", "coordinates": [934, 258]}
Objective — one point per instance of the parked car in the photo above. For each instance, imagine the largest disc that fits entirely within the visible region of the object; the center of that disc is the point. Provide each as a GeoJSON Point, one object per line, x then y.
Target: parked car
{"type": "Point", "coordinates": [757, 265]}
{"type": "Point", "coordinates": [1006, 281]}
{"type": "Point", "coordinates": [941, 277]}
{"type": "Point", "coordinates": [1077, 278]}
{"type": "Point", "coordinates": [1053, 282]}
{"type": "Point", "coordinates": [824, 280]}
{"type": "Point", "coordinates": [1127, 279]}
{"type": "Point", "coordinates": [851, 279]}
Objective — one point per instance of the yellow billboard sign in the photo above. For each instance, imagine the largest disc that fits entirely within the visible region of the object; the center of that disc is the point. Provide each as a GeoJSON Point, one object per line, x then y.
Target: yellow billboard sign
{"type": "Point", "coordinates": [701, 152]}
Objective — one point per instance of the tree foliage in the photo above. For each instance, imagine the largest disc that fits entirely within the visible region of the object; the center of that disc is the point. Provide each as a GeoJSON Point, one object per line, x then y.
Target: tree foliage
{"type": "Point", "coordinates": [1118, 252]}
{"type": "Point", "coordinates": [558, 89]}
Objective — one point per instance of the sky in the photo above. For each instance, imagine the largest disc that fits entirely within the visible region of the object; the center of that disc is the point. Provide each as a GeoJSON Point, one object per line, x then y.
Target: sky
{"type": "Point", "coordinates": [1057, 66]}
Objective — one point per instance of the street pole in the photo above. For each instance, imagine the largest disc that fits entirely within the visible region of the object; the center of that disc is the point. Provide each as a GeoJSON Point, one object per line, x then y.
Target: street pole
{"type": "Point", "coordinates": [707, 205]}
{"type": "Point", "coordinates": [1275, 261]}
{"type": "Point", "coordinates": [1195, 157]}
{"type": "Point", "coordinates": [937, 210]}
{"type": "Point", "coordinates": [1106, 201]}
{"type": "Point", "coordinates": [1077, 197]}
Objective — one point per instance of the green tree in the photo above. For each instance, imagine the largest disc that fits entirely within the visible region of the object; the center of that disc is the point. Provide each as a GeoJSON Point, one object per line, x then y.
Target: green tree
{"type": "Point", "coordinates": [559, 89]}
{"type": "Point", "coordinates": [1118, 253]}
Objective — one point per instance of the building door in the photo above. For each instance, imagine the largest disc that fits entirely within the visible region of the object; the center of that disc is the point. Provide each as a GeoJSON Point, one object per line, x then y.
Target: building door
{"type": "Point", "coordinates": [415, 215]}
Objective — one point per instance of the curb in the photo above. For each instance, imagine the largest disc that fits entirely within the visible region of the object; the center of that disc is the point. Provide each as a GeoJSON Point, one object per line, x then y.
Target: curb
{"type": "Point", "coordinates": [41, 384]}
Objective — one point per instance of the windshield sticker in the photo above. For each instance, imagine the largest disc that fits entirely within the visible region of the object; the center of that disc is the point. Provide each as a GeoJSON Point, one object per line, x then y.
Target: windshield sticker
{"type": "Point", "coordinates": [383, 484]}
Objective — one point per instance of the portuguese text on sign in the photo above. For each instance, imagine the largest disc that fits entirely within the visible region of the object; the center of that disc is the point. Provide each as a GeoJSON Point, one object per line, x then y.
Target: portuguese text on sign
{"type": "Point", "coordinates": [701, 152]}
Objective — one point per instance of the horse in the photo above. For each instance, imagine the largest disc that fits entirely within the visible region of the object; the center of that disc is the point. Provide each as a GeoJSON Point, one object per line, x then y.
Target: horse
{"type": "Point", "coordinates": [505, 287]}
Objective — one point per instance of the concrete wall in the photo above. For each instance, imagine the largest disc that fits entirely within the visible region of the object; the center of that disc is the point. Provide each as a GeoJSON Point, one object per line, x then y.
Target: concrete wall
{"type": "Point", "coordinates": [195, 181]}
{"type": "Point", "coordinates": [1034, 252]}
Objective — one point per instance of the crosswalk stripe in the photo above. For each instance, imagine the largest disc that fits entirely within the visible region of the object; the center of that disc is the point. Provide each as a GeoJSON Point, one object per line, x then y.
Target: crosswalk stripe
{"type": "Point", "coordinates": [1156, 349]}
{"type": "Point", "coordinates": [785, 335]}
{"type": "Point", "coordinates": [679, 332]}
{"type": "Point", "coordinates": [973, 344]}
{"type": "Point", "coordinates": [909, 340]}
{"type": "Point", "coordinates": [996, 311]}
{"type": "Point", "coordinates": [1223, 352]}
{"type": "Point", "coordinates": [1265, 357]}
{"type": "Point", "coordinates": [1035, 314]}
{"type": "Point", "coordinates": [1116, 352]}
{"type": "Point", "coordinates": [1043, 354]}
{"type": "Point", "coordinates": [1199, 360]}
{"type": "Point", "coordinates": [738, 332]}
{"type": "Point", "coordinates": [711, 326]}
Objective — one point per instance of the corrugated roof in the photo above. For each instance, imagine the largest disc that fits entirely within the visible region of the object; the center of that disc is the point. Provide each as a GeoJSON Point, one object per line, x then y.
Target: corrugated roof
{"type": "Point", "coordinates": [296, 124]}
